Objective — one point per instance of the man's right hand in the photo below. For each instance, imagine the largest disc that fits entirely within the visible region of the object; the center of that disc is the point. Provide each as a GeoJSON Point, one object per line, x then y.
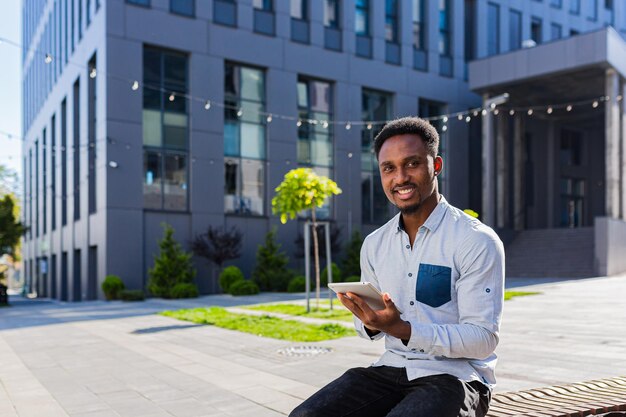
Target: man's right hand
{"type": "Point", "coordinates": [387, 320]}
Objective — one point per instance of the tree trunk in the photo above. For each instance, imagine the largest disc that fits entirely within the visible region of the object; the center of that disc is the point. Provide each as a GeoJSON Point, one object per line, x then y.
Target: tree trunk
{"type": "Point", "coordinates": [316, 252]}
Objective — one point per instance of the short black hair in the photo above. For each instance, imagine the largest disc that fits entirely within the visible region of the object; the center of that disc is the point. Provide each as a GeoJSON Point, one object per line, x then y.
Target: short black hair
{"type": "Point", "coordinates": [409, 126]}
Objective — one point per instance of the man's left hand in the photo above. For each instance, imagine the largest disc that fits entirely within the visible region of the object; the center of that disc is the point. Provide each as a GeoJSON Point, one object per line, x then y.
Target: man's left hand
{"type": "Point", "coordinates": [387, 320]}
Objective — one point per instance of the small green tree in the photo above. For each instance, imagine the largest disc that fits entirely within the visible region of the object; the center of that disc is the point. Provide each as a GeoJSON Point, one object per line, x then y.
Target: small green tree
{"type": "Point", "coordinates": [172, 266]}
{"type": "Point", "coordinates": [270, 271]}
{"type": "Point", "coordinates": [302, 189]}
{"type": "Point", "coordinates": [351, 262]}
{"type": "Point", "coordinates": [10, 232]}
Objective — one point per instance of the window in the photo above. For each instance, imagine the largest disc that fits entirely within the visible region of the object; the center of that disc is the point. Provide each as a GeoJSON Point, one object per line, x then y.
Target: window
{"type": "Point", "coordinates": [419, 29]}
{"type": "Point", "coordinates": [36, 188]}
{"type": "Point", "coordinates": [609, 13]}
{"type": "Point", "coordinates": [299, 9]}
{"type": "Point", "coordinates": [244, 140]}
{"type": "Point", "coordinates": [515, 30]}
{"type": "Point", "coordinates": [183, 7]}
{"type": "Point", "coordinates": [64, 162]}
{"type": "Point", "coordinates": [80, 19]}
{"type": "Point", "coordinates": [592, 12]}
{"type": "Point", "coordinates": [76, 147]}
{"type": "Point", "coordinates": [361, 19]}
{"type": "Point", "coordinates": [444, 28]}
{"type": "Point", "coordinates": [556, 31]}
{"type": "Point", "coordinates": [331, 14]}
{"type": "Point", "coordinates": [91, 131]}
{"type": "Point", "coordinates": [139, 2]}
{"type": "Point", "coordinates": [76, 276]}
{"type": "Point", "coordinates": [225, 12]}
{"type": "Point", "coordinates": [574, 6]}
{"type": "Point", "coordinates": [73, 15]}
{"type": "Point", "coordinates": [30, 193]}
{"type": "Point", "coordinates": [556, 3]}
{"type": "Point", "coordinates": [493, 29]}
{"type": "Point", "coordinates": [165, 130]}
{"type": "Point", "coordinates": [376, 106]}
{"type": "Point", "coordinates": [264, 20]}
{"type": "Point", "coordinates": [391, 21]}
{"type": "Point", "coordinates": [572, 202]}
{"type": "Point", "coordinates": [53, 166]}
{"type": "Point", "coordinates": [535, 30]}
{"type": "Point", "coordinates": [315, 141]}
{"type": "Point", "coordinates": [299, 21]}
{"type": "Point", "coordinates": [332, 32]}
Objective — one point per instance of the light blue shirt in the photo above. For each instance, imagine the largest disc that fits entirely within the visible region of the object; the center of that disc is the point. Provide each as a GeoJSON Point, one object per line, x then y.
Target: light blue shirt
{"type": "Point", "coordinates": [449, 286]}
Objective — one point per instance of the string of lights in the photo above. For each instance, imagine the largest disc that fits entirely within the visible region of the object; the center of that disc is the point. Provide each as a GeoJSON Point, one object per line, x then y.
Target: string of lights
{"type": "Point", "coordinates": [269, 117]}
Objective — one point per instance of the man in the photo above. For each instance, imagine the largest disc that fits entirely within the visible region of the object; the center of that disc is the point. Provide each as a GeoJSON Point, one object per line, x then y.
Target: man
{"type": "Point", "coordinates": [442, 277]}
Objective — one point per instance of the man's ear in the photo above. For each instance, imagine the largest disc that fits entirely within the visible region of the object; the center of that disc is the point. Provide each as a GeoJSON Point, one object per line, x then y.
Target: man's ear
{"type": "Point", "coordinates": [438, 164]}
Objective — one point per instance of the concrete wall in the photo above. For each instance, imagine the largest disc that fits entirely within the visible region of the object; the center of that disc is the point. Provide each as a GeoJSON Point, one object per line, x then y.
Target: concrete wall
{"type": "Point", "coordinates": [610, 246]}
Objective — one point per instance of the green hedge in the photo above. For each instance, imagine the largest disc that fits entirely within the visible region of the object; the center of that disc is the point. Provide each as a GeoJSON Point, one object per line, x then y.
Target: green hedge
{"type": "Point", "coordinates": [229, 276]}
{"type": "Point", "coordinates": [243, 288]}
{"type": "Point", "coordinates": [112, 286]}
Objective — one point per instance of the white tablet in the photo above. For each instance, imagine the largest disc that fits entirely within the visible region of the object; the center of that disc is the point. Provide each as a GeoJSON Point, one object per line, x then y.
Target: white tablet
{"type": "Point", "coordinates": [365, 290]}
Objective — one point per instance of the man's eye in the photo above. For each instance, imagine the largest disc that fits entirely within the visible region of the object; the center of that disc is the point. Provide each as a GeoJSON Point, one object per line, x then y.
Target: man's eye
{"type": "Point", "coordinates": [412, 164]}
{"type": "Point", "coordinates": [387, 169]}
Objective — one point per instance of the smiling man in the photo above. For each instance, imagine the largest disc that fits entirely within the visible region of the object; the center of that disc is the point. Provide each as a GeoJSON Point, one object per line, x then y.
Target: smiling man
{"type": "Point", "coordinates": [442, 277]}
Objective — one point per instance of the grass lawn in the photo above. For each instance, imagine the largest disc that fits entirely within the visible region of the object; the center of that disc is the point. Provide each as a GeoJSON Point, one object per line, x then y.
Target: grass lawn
{"type": "Point", "coordinates": [510, 294]}
{"type": "Point", "coordinates": [264, 326]}
{"type": "Point", "coordinates": [339, 312]}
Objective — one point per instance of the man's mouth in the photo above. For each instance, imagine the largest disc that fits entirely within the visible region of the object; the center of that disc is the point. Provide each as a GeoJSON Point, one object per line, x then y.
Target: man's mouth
{"type": "Point", "coordinates": [405, 192]}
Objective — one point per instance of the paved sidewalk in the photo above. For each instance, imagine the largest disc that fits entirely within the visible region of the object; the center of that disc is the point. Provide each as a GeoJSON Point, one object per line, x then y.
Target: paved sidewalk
{"type": "Point", "coordinates": [98, 359]}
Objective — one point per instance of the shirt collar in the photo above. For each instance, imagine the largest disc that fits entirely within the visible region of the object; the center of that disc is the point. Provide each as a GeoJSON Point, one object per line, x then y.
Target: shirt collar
{"type": "Point", "coordinates": [433, 221]}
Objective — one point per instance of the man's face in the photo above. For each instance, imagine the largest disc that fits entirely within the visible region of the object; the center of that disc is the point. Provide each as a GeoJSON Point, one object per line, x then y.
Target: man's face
{"type": "Point", "coordinates": [408, 171]}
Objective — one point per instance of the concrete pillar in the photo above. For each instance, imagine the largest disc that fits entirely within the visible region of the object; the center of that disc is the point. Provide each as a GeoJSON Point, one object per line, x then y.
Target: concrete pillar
{"type": "Point", "coordinates": [488, 168]}
{"type": "Point", "coordinates": [623, 146]}
{"type": "Point", "coordinates": [502, 172]}
{"type": "Point", "coordinates": [612, 147]}
{"type": "Point", "coordinates": [551, 174]}
{"type": "Point", "coordinates": [519, 212]}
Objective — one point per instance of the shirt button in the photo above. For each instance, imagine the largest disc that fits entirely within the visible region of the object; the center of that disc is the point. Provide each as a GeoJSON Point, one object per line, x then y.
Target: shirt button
{"type": "Point", "coordinates": [422, 350]}
{"type": "Point", "coordinates": [413, 350]}
{"type": "Point", "coordinates": [411, 303]}
{"type": "Point", "coordinates": [410, 274]}
{"type": "Point", "coordinates": [408, 246]}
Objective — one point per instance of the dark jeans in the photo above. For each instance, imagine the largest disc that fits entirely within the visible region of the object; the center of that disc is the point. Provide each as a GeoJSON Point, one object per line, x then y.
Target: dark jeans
{"type": "Point", "coordinates": [385, 391]}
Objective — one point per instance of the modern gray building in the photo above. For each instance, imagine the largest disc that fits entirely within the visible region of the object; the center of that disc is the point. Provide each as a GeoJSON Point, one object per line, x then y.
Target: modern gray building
{"type": "Point", "coordinates": [189, 112]}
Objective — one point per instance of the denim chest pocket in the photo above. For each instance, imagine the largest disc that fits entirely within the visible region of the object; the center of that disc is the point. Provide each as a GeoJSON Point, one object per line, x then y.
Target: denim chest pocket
{"type": "Point", "coordinates": [433, 285]}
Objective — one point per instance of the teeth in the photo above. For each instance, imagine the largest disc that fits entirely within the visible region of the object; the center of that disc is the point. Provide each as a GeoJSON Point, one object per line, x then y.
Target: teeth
{"type": "Point", "coordinates": [406, 191]}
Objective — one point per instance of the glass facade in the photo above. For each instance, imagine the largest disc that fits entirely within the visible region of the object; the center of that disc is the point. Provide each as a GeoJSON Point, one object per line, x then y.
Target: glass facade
{"type": "Point", "coordinates": [165, 130]}
{"type": "Point", "coordinates": [419, 25]}
{"type": "Point", "coordinates": [362, 17]}
{"type": "Point", "coordinates": [183, 7]}
{"type": "Point", "coordinates": [244, 140]}
{"type": "Point", "coordinates": [515, 30]}
{"type": "Point", "coordinates": [376, 106]}
{"type": "Point", "coordinates": [429, 108]}
{"type": "Point", "coordinates": [331, 14]}
{"type": "Point", "coordinates": [444, 28]}
{"type": "Point", "coordinates": [391, 21]}
{"type": "Point", "coordinates": [493, 29]}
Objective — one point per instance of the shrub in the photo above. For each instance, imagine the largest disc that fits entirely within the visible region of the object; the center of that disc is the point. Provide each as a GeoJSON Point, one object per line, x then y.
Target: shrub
{"type": "Point", "coordinates": [351, 261]}
{"type": "Point", "coordinates": [324, 274]}
{"type": "Point", "coordinates": [270, 272]}
{"type": "Point", "coordinates": [172, 266]}
{"type": "Point", "coordinates": [229, 276]}
{"type": "Point", "coordinates": [184, 290]}
{"type": "Point", "coordinates": [131, 295]}
{"type": "Point", "coordinates": [297, 284]}
{"type": "Point", "coordinates": [112, 286]}
{"type": "Point", "coordinates": [244, 287]}
{"type": "Point", "coordinates": [353, 278]}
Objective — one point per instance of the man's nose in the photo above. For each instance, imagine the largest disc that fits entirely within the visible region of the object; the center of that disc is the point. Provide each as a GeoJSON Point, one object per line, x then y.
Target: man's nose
{"type": "Point", "coordinates": [402, 176]}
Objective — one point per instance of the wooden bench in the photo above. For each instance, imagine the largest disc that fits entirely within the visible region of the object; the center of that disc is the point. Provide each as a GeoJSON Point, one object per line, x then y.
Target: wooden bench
{"type": "Point", "coordinates": [580, 399]}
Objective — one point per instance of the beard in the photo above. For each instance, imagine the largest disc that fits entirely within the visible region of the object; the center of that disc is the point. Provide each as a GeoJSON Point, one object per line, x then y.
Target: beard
{"type": "Point", "coordinates": [412, 209]}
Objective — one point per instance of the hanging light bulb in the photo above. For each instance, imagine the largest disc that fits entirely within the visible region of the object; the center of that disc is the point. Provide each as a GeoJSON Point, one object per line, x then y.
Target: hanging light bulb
{"type": "Point", "coordinates": [48, 59]}
{"type": "Point", "coordinates": [468, 119]}
{"type": "Point", "coordinates": [530, 112]}
{"type": "Point", "coordinates": [511, 112]}
{"type": "Point", "coordinates": [324, 124]}
{"type": "Point", "coordinates": [207, 105]}
{"type": "Point", "coordinates": [135, 86]}
{"type": "Point", "coordinates": [92, 73]}
{"type": "Point", "coordinates": [492, 105]}
{"type": "Point", "coordinates": [299, 123]}
{"type": "Point", "coordinates": [550, 110]}
{"type": "Point", "coordinates": [569, 107]}
{"type": "Point", "coordinates": [348, 126]}
{"type": "Point", "coordinates": [496, 111]}
{"type": "Point", "coordinates": [444, 128]}
{"type": "Point", "coordinates": [619, 98]}
{"type": "Point", "coordinates": [369, 126]}
{"type": "Point", "coordinates": [460, 117]}
{"type": "Point", "coordinates": [172, 97]}
{"type": "Point", "coordinates": [239, 112]}
{"type": "Point", "coordinates": [484, 112]}
{"type": "Point", "coordinates": [475, 113]}
{"type": "Point", "coordinates": [269, 118]}
{"type": "Point", "coordinates": [445, 119]}
{"type": "Point", "coordinates": [594, 104]}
